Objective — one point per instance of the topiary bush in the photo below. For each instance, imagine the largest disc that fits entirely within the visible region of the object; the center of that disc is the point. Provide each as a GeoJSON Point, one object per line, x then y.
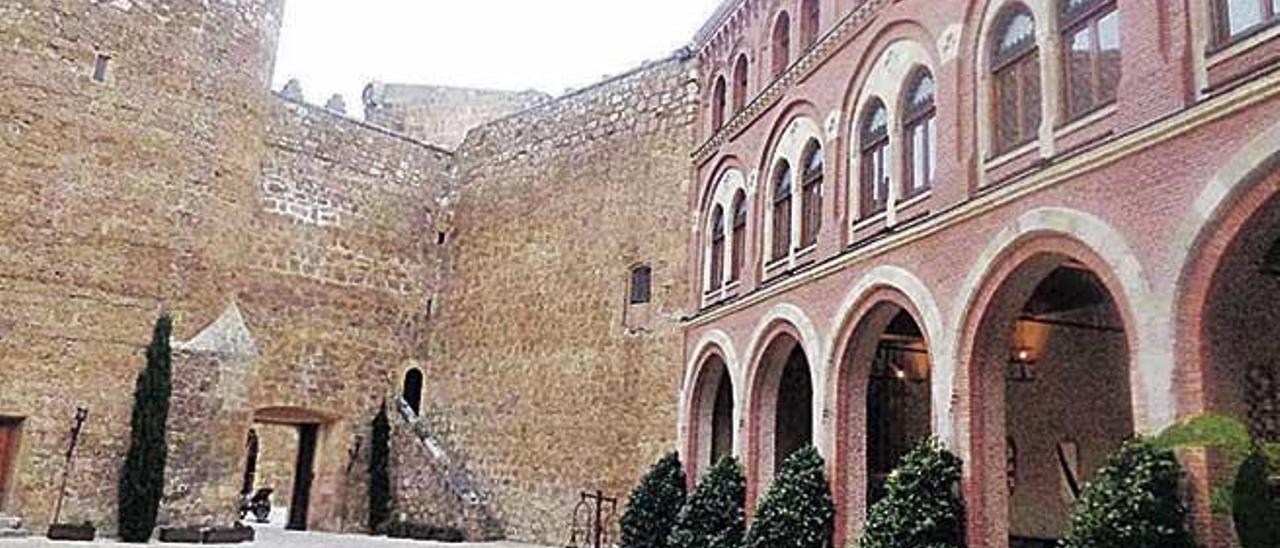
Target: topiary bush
{"type": "Point", "coordinates": [1133, 502]}
{"type": "Point", "coordinates": [714, 516]}
{"type": "Point", "coordinates": [380, 471]}
{"type": "Point", "coordinates": [922, 507]}
{"type": "Point", "coordinates": [654, 505]}
{"type": "Point", "coordinates": [1255, 511]}
{"type": "Point", "coordinates": [797, 512]}
{"type": "Point", "coordinates": [142, 479]}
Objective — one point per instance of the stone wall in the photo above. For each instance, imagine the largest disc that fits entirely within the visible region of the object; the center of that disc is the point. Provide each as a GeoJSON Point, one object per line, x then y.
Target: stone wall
{"type": "Point", "coordinates": [544, 378]}
{"type": "Point", "coordinates": [441, 115]}
{"type": "Point", "coordinates": [121, 199]}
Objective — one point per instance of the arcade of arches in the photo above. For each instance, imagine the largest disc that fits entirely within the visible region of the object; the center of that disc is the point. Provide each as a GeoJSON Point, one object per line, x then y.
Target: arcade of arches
{"type": "Point", "coordinates": [1047, 391]}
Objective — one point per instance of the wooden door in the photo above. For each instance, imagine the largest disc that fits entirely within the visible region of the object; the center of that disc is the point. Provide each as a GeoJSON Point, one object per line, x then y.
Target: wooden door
{"type": "Point", "coordinates": [8, 456]}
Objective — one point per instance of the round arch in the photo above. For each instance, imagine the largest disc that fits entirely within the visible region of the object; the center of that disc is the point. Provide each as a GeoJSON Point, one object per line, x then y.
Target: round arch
{"type": "Point", "coordinates": [784, 331]}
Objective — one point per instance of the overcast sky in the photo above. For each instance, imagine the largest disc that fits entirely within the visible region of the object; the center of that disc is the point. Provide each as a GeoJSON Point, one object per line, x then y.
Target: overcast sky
{"type": "Point", "coordinates": [338, 46]}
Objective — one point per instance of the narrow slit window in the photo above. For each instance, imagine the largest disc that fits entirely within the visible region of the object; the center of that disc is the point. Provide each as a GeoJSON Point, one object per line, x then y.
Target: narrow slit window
{"type": "Point", "coordinates": [641, 284]}
{"type": "Point", "coordinates": [101, 64]}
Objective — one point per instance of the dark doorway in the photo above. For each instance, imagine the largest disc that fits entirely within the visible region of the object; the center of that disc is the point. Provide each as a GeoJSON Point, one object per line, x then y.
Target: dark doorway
{"type": "Point", "coordinates": [304, 473]}
{"type": "Point", "coordinates": [794, 420]}
{"type": "Point", "coordinates": [413, 390]}
{"type": "Point", "coordinates": [722, 420]}
{"type": "Point", "coordinates": [9, 429]}
{"type": "Point", "coordinates": [898, 400]}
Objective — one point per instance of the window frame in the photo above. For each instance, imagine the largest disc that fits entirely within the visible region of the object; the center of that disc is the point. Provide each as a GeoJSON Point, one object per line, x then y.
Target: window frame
{"type": "Point", "coordinates": [1069, 24]}
{"type": "Point", "coordinates": [1023, 58]}
{"type": "Point", "coordinates": [738, 235]}
{"type": "Point", "coordinates": [912, 118]}
{"type": "Point", "coordinates": [719, 101]}
{"type": "Point", "coordinates": [716, 253]}
{"type": "Point", "coordinates": [874, 152]}
{"type": "Point", "coordinates": [811, 188]}
{"type": "Point", "coordinates": [1221, 22]}
{"type": "Point", "coordinates": [781, 203]}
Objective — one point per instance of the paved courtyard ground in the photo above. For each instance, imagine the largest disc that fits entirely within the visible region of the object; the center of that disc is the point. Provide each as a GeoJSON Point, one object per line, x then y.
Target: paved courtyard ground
{"type": "Point", "coordinates": [275, 538]}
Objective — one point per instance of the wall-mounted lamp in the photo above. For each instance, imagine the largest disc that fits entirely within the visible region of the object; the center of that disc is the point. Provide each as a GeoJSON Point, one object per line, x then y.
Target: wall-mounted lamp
{"type": "Point", "coordinates": [1022, 365]}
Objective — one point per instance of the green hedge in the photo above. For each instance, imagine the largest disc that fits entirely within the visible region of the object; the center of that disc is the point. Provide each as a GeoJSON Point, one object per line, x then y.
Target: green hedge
{"type": "Point", "coordinates": [1133, 502]}
{"type": "Point", "coordinates": [797, 512]}
{"type": "Point", "coordinates": [714, 516]}
{"type": "Point", "coordinates": [654, 505]}
{"type": "Point", "coordinates": [923, 507]}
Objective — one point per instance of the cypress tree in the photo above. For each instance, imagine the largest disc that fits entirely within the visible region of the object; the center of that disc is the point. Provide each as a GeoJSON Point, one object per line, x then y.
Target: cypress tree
{"type": "Point", "coordinates": [380, 471]}
{"type": "Point", "coordinates": [714, 517]}
{"type": "Point", "coordinates": [922, 507]}
{"type": "Point", "coordinates": [1256, 513]}
{"type": "Point", "coordinates": [654, 505]}
{"type": "Point", "coordinates": [142, 479]}
{"type": "Point", "coordinates": [797, 512]}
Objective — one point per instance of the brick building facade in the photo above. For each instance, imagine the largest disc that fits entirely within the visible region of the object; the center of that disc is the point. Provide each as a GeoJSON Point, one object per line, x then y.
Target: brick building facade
{"type": "Point", "coordinates": [1029, 228]}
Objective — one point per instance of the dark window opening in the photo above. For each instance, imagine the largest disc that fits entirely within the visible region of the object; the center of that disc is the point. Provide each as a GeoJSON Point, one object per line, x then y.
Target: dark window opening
{"type": "Point", "coordinates": [781, 44]}
{"type": "Point", "coordinates": [1091, 54]}
{"type": "Point", "coordinates": [782, 190]}
{"type": "Point", "coordinates": [921, 135]}
{"type": "Point", "coordinates": [811, 194]}
{"type": "Point", "coordinates": [641, 288]}
{"type": "Point", "coordinates": [101, 63]}
{"type": "Point", "coordinates": [717, 249]}
{"type": "Point", "coordinates": [809, 24]}
{"type": "Point", "coordinates": [412, 390]}
{"type": "Point", "coordinates": [442, 237]}
{"type": "Point", "coordinates": [718, 100]}
{"type": "Point", "coordinates": [739, 250]}
{"type": "Point", "coordinates": [1015, 71]}
{"type": "Point", "coordinates": [740, 73]}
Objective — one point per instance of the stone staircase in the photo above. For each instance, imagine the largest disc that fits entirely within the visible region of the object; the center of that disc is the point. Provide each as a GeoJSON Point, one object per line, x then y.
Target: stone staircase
{"type": "Point", "coordinates": [480, 523]}
{"type": "Point", "coordinates": [11, 527]}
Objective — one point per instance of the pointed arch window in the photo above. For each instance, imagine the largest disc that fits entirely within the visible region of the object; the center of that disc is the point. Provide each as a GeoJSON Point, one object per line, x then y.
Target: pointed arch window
{"type": "Point", "coordinates": [781, 44]}
{"type": "Point", "coordinates": [740, 83]}
{"type": "Point", "coordinates": [811, 195]}
{"type": "Point", "coordinates": [811, 19]}
{"type": "Point", "coordinates": [718, 104]}
{"type": "Point", "coordinates": [920, 134]}
{"type": "Point", "coordinates": [738, 245]}
{"type": "Point", "coordinates": [1090, 54]}
{"type": "Point", "coordinates": [874, 136]}
{"type": "Point", "coordinates": [1015, 72]}
{"type": "Point", "coordinates": [716, 257]}
{"type": "Point", "coordinates": [782, 189]}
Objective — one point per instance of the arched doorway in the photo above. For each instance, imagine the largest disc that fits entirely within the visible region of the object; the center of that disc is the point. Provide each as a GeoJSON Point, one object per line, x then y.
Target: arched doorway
{"type": "Point", "coordinates": [884, 406]}
{"type": "Point", "coordinates": [782, 409]}
{"type": "Point", "coordinates": [712, 426]}
{"type": "Point", "coordinates": [1054, 397]}
{"type": "Point", "coordinates": [412, 390]}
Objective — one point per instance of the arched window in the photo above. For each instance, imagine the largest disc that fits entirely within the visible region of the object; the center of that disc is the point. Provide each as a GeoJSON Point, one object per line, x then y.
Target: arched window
{"type": "Point", "coordinates": [874, 135]}
{"type": "Point", "coordinates": [781, 44]}
{"type": "Point", "coordinates": [740, 84]}
{"type": "Point", "coordinates": [811, 196]}
{"type": "Point", "coordinates": [782, 188]}
{"type": "Point", "coordinates": [718, 104]}
{"type": "Point", "coordinates": [1235, 19]}
{"type": "Point", "coordinates": [641, 284]}
{"type": "Point", "coordinates": [811, 19]}
{"type": "Point", "coordinates": [717, 248]}
{"type": "Point", "coordinates": [412, 390]}
{"type": "Point", "coordinates": [1015, 71]}
{"type": "Point", "coordinates": [1091, 54]}
{"type": "Point", "coordinates": [739, 236]}
{"type": "Point", "coordinates": [920, 134]}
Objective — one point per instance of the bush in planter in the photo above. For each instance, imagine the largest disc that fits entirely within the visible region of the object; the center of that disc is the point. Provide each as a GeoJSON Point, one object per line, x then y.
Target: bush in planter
{"type": "Point", "coordinates": [654, 505]}
{"type": "Point", "coordinates": [714, 517]}
{"type": "Point", "coordinates": [142, 480]}
{"type": "Point", "coordinates": [797, 512]}
{"type": "Point", "coordinates": [1133, 502]}
{"type": "Point", "coordinates": [922, 507]}
{"type": "Point", "coordinates": [1255, 511]}
{"type": "Point", "coordinates": [380, 471]}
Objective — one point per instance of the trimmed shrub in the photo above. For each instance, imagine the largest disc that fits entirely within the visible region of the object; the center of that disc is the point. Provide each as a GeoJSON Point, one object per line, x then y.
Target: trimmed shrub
{"type": "Point", "coordinates": [142, 479]}
{"type": "Point", "coordinates": [380, 471]}
{"type": "Point", "coordinates": [1133, 502]}
{"type": "Point", "coordinates": [922, 507]}
{"type": "Point", "coordinates": [797, 512]}
{"type": "Point", "coordinates": [654, 505]}
{"type": "Point", "coordinates": [1255, 511]}
{"type": "Point", "coordinates": [714, 516]}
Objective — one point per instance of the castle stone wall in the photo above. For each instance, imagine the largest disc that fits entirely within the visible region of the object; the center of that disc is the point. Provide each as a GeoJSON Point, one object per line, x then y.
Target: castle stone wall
{"type": "Point", "coordinates": [545, 379]}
